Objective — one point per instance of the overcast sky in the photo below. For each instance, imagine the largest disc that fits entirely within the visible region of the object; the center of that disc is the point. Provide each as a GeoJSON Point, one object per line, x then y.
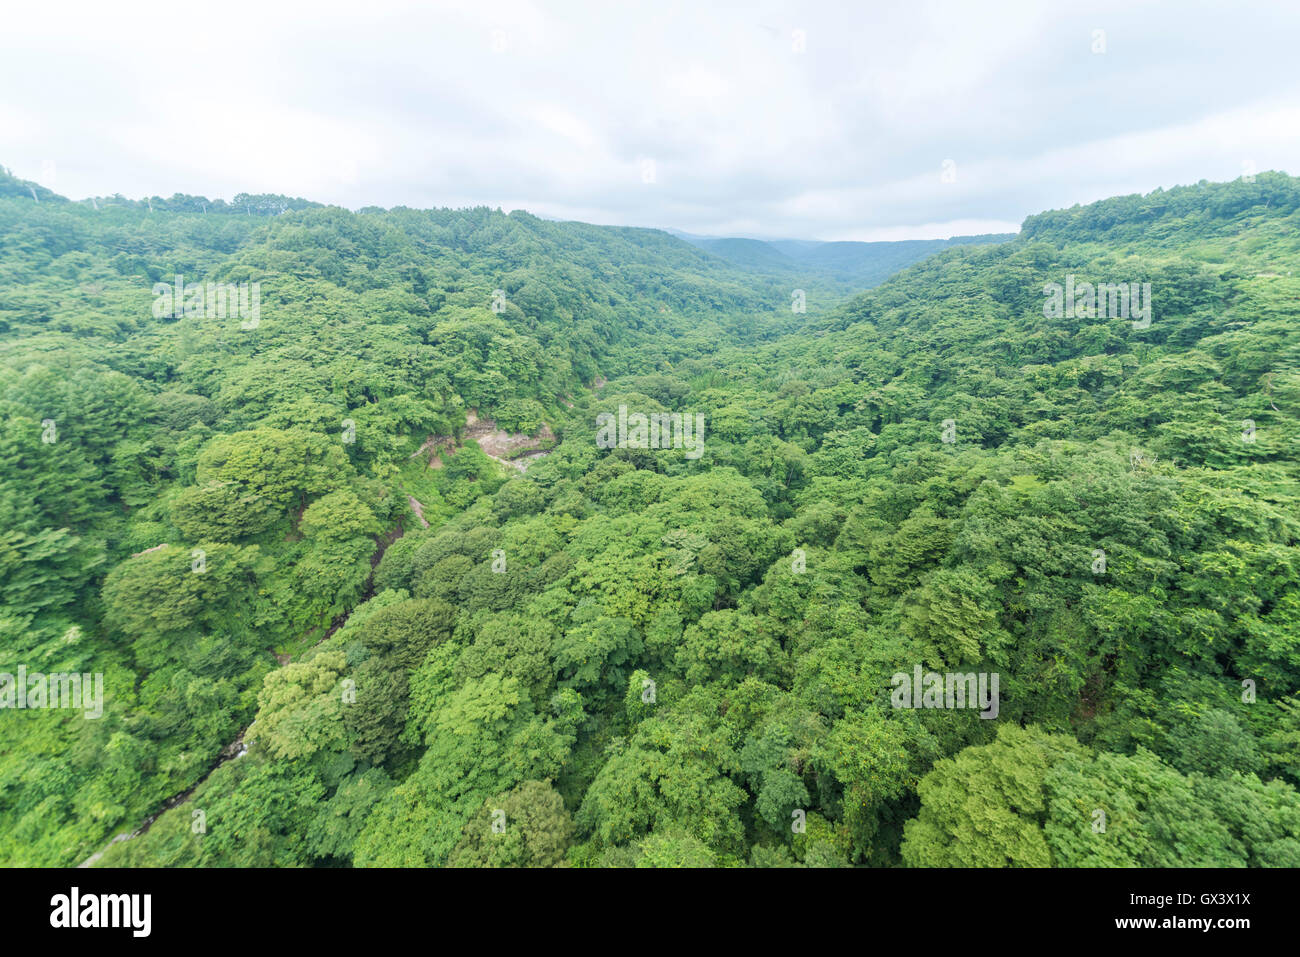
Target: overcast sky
{"type": "Point", "coordinates": [805, 120]}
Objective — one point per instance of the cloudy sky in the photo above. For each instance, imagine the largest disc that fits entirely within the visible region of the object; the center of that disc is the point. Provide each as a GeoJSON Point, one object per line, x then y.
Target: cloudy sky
{"type": "Point", "coordinates": [860, 120]}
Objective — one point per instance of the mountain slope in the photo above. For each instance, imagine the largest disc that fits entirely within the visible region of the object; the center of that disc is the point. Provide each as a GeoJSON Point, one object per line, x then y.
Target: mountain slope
{"type": "Point", "coordinates": [147, 436]}
{"type": "Point", "coordinates": [656, 656]}
{"type": "Point", "coordinates": [850, 266]}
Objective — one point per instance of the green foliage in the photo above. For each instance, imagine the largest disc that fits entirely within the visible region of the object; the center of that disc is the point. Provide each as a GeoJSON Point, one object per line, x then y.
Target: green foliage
{"type": "Point", "coordinates": [527, 826]}
{"type": "Point", "coordinates": [300, 709]}
{"type": "Point", "coordinates": [485, 739]}
{"type": "Point", "coordinates": [296, 529]}
{"type": "Point", "coordinates": [985, 806]}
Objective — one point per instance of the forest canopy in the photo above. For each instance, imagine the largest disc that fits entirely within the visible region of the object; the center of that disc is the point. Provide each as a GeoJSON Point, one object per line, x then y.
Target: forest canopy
{"type": "Point", "coordinates": [364, 589]}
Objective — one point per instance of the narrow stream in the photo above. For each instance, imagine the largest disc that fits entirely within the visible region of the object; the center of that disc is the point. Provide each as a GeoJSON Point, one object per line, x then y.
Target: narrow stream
{"type": "Point", "coordinates": [236, 749]}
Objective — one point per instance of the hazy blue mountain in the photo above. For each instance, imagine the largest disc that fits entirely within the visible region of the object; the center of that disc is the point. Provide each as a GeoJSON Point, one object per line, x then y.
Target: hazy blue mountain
{"type": "Point", "coordinates": [852, 265]}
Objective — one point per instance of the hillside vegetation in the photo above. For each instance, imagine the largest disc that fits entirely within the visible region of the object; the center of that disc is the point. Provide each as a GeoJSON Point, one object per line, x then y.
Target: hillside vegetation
{"type": "Point", "coordinates": [634, 656]}
{"type": "Point", "coordinates": [845, 266]}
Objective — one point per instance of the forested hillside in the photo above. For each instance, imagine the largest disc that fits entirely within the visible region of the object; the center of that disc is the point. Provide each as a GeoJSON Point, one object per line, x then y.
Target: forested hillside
{"type": "Point", "coordinates": [369, 546]}
{"type": "Point", "coordinates": [844, 266]}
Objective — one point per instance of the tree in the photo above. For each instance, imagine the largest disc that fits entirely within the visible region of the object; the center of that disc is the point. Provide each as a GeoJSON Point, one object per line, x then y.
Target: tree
{"type": "Point", "coordinates": [985, 806]}
{"type": "Point", "coordinates": [300, 708]}
{"type": "Point", "coordinates": [485, 740]}
{"type": "Point", "coordinates": [527, 826]}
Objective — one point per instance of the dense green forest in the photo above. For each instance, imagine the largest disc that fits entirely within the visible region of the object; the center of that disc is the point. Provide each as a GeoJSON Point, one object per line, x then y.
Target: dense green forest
{"type": "Point", "coordinates": [365, 588]}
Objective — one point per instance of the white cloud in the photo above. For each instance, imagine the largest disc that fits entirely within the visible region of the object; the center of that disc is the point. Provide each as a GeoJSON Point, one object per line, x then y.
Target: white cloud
{"type": "Point", "coordinates": [554, 107]}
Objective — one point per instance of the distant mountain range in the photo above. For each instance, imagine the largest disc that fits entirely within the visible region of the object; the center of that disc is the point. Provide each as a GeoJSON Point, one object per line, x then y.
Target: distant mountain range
{"type": "Point", "coordinates": [853, 264]}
